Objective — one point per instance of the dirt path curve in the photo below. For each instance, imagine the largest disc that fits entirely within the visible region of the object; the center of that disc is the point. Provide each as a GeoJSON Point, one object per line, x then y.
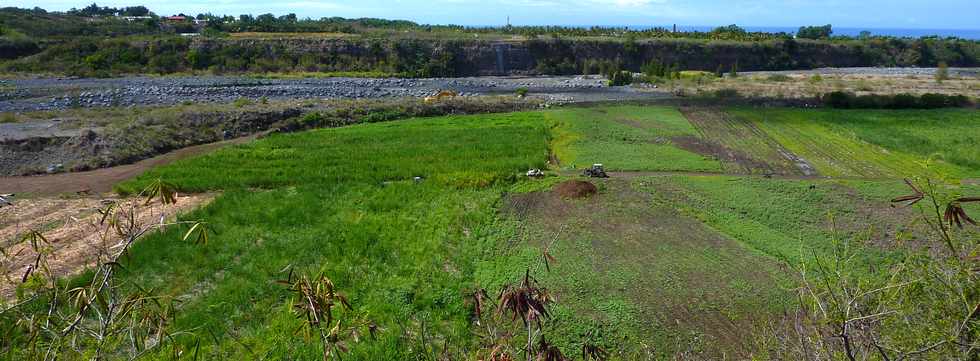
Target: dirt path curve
{"type": "Point", "coordinates": [101, 180]}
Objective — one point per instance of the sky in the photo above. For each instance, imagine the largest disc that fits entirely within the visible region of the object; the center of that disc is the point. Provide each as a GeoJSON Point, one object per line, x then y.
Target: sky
{"type": "Point", "coordinates": [937, 14]}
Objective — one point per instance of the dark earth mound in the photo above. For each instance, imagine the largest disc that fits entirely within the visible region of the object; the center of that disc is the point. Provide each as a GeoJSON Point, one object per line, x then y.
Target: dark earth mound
{"type": "Point", "coordinates": [575, 189]}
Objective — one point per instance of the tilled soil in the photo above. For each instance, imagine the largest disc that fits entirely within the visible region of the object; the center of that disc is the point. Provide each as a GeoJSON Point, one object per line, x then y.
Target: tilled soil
{"type": "Point", "coordinates": [742, 147]}
{"type": "Point", "coordinates": [71, 227]}
{"type": "Point", "coordinates": [18, 95]}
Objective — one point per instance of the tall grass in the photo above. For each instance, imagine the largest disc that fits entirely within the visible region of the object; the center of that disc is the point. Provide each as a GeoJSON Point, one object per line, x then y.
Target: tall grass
{"type": "Point", "coordinates": [345, 202]}
{"type": "Point", "coordinates": [457, 151]}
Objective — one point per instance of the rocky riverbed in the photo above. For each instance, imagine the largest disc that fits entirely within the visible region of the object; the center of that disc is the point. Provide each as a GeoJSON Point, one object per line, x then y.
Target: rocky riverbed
{"type": "Point", "coordinates": [18, 95]}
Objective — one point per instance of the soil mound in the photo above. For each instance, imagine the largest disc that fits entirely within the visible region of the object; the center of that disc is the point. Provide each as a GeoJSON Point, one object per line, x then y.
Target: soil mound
{"type": "Point", "coordinates": [575, 189]}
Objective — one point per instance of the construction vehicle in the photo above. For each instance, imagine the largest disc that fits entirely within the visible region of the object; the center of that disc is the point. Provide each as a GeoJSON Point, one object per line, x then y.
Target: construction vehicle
{"type": "Point", "coordinates": [440, 95]}
{"type": "Point", "coordinates": [595, 171]}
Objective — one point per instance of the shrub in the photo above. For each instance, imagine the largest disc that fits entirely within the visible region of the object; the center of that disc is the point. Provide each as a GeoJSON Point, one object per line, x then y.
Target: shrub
{"type": "Point", "coordinates": [942, 72]}
{"type": "Point", "coordinates": [242, 102]}
{"type": "Point", "coordinates": [621, 78]}
{"type": "Point", "coordinates": [838, 99]}
{"type": "Point", "coordinates": [931, 101]}
{"type": "Point", "coordinates": [904, 101]}
{"type": "Point", "coordinates": [521, 92]}
{"type": "Point", "coordinates": [726, 93]}
{"type": "Point", "coordinates": [845, 100]}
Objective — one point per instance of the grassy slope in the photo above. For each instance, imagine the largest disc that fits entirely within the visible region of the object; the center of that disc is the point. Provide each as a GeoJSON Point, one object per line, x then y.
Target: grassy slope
{"type": "Point", "coordinates": [635, 264]}
{"type": "Point", "coordinates": [626, 138]}
{"type": "Point", "coordinates": [876, 143]}
{"type": "Point", "coordinates": [402, 251]}
{"type": "Point", "coordinates": [451, 150]}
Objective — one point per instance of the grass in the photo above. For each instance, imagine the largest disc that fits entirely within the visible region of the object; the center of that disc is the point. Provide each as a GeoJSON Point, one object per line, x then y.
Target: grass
{"type": "Point", "coordinates": [653, 266]}
{"type": "Point", "coordinates": [626, 138]}
{"type": "Point", "coordinates": [781, 218]}
{"type": "Point", "coordinates": [457, 151]}
{"type": "Point", "coordinates": [875, 143]}
{"type": "Point", "coordinates": [651, 281]}
{"type": "Point", "coordinates": [341, 201]}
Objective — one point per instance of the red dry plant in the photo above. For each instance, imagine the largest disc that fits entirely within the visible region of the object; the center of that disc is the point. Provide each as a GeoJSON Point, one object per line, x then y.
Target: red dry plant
{"type": "Point", "coordinates": [955, 214]}
{"type": "Point", "coordinates": [529, 301]}
{"type": "Point", "coordinates": [593, 352]}
{"type": "Point", "coordinates": [549, 352]}
{"type": "Point", "coordinates": [913, 198]}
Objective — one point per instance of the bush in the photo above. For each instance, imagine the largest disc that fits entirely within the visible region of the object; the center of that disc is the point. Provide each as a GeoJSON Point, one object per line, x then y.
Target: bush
{"type": "Point", "coordinates": [242, 102]}
{"type": "Point", "coordinates": [903, 101]}
{"type": "Point", "coordinates": [521, 92]}
{"type": "Point", "coordinates": [621, 78]}
{"type": "Point", "coordinates": [845, 100]}
{"type": "Point", "coordinates": [726, 93]}
{"type": "Point", "coordinates": [838, 99]}
{"type": "Point", "coordinates": [942, 72]}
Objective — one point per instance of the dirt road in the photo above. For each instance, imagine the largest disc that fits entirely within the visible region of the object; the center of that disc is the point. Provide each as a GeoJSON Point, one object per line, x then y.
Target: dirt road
{"type": "Point", "coordinates": [101, 180]}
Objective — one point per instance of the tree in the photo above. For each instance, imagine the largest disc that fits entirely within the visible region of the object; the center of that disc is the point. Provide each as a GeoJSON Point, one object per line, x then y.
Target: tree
{"type": "Point", "coordinates": [729, 32]}
{"type": "Point", "coordinates": [942, 72]}
{"type": "Point", "coordinates": [134, 11]}
{"type": "Point", "coordinates": [815, 32]}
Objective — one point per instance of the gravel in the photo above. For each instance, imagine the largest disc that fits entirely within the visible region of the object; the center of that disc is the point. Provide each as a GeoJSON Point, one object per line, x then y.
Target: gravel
{"type": "Point", "coordinates": [61, 93]}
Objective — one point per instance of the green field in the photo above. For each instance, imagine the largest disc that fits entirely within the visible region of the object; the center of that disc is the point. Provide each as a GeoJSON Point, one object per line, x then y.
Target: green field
{"type": "Point", "coordinates": [409, 218]}
{"type": "Point", "coordinates": [626, 138]}
{"type": "Point", "coordinates": [877, 143]}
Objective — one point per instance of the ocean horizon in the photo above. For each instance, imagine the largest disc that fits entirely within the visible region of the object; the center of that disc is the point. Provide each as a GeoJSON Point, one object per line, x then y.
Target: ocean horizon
{"type": "Point", "coordinates": [972, 34]}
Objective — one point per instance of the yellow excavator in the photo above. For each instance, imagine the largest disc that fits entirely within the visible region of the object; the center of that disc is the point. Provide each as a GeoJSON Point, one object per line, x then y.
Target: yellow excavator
{"type": "Point", "coordinates": [440, 95]}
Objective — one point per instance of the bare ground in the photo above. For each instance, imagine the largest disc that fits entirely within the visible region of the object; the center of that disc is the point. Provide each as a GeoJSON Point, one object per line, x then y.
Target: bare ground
{"type": "Point", "coordinates": [71, 227]}
{"type": "Point", "coordinates": [742, 147]}
{"type": "Point", "coordinates": [805, 84]}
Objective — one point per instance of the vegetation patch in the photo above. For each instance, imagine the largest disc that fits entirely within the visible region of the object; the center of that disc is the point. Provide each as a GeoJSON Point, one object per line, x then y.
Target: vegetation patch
{"type": "Point", "coordinates": [876, 143]}
{"type": "Point", "coordinates": [626, 138]}
{"type": "Point", "coordinates": [648, 279]}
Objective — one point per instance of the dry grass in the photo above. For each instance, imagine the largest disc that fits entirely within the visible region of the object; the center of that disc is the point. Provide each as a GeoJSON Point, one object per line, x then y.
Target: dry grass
{"type": "Point", "coordinates": [804, 86]}
{"type": "Point", "coordinates": [71, 225]}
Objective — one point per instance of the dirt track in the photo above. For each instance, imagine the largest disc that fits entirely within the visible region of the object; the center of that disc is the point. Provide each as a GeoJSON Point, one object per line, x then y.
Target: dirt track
{"type": "Point", "coordinates": [101, 180]}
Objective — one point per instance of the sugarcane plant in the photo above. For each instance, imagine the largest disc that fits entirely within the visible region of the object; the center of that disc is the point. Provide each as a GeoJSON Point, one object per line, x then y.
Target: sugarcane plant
{"type": "Point", "coordinates": [55, 318]}
{"type": "Point", "coordinates": [925, 306]}
{"type": "Point", "coordinates": [327, 314]}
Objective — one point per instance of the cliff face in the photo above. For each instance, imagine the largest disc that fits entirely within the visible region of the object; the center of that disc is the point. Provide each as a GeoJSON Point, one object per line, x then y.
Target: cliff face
{"type": "Point", "coordinates": [453, 58]}
{"type": "Point", "coordinates": [477, 57]}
